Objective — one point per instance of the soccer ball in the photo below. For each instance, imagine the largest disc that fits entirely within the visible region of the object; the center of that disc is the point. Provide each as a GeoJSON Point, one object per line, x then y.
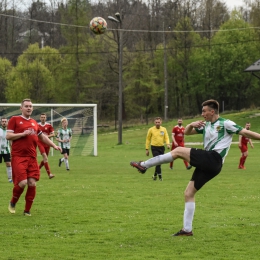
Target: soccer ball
{"type": "Point", "coordinates": [98, 25]}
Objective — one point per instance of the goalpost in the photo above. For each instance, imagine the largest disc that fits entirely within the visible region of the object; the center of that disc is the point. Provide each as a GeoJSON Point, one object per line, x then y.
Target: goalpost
{"type": "Point", "coordinates": [82, 119]}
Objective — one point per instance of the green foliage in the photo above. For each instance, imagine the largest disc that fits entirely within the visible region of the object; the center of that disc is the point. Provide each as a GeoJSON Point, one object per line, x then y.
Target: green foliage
{"type": "Point", "coordinates": [31, 78]}
{"type": "Point", "coordinates": [184, 69]}
{"type": "Point", "coordinates": [230, 59]}
{"type": "Point", "coordinates": [82, 66]}
{"type": "Point", "coordinates": [5, 68]}
{"type": "Point", "coordinates": [141, 90]}
{"type": "Point", "coordinates": [76, 12]}
{"type": "Point", "coordinates": [82, 71]}
{"type": "Point", "coordinates": [85, 68]}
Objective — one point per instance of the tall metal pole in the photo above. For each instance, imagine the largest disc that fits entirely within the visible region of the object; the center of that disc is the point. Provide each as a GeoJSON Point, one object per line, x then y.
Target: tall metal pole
{"type": "Point", "coordinates": [120, 71]}
{"type": "Point", "coordinates": [165, 78]}
{"type": "Point", "coordinates": [120, 87]}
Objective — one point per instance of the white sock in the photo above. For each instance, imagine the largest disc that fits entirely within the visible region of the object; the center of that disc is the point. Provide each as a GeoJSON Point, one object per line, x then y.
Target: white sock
{"type": "Point", "coordinates": [66, 163]}
{"type": "Point", "coordinates": [188, 216]}
{"type": "Point", "coordinates": [62, 159]}
{"type": "Point", "coordinates": [9, 172]}
{"type": "Point", "coordinates": [158, 160]}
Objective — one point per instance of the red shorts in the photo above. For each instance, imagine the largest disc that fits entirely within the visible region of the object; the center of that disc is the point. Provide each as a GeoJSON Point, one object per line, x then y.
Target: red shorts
{"type": "Point", "coordinates": [179, 144]}
{"type": "Point", "coordinates": [24, 168]}
{"type": "Point", "coordinates": [243, 148]}
{"type": "Point", "coordinates": [43, 149]}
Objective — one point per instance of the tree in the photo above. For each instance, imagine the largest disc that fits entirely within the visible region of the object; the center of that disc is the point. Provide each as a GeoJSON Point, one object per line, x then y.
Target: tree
{"type": "Point", "coordinates": [5, 69]}
{"type": "Point", "coordinates": [142, 92]}
{"type": "Point", "coordinates": [81, 58]}
{"type": "Point", "coordinates": [232, 52]}
{"type": "Point", "coordinates": [31, 78]}
{"type": "Point", "coordinates": [181, 69]}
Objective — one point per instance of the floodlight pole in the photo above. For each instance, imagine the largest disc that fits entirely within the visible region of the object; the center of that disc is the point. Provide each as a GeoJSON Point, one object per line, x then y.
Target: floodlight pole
{"type": "Point", "coordinates": [120, 74]}
{"type": "Point", "coordinates": [165, 78]}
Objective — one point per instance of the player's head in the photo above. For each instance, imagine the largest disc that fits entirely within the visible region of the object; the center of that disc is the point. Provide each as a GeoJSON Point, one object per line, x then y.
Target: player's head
{"type": "Point", "coordinates": [64, 122]}
{"type": "Point", "coordinates": [43, 118]}
{"type": "Point", "coordinates": [4, 122]}
{"type": "Point", "coordinates": [157, 122]}
{"type": "Point", "coordinates": [179, 121]}
{"type": "Point", "coordinates": [247, 126]}
{"type": "Point", "coordinates": [212, 105]}
{"type": "Point", "coordinates": [210, 108]}
{"type": "Point", "coordinates": [26, 107]}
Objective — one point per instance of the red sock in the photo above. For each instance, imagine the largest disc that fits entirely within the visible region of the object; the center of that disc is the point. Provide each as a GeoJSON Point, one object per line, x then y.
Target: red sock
{"type": "Point", "coordinates": [41, 164]}
{"type": "Point", "coordinates": [243, 160]}
{"type": "Point", "coordinates": [29, 197]}
{"type": "Point", "coordinates": [46, 165]}
{"type": "Point", "coordinates": [17, 192]}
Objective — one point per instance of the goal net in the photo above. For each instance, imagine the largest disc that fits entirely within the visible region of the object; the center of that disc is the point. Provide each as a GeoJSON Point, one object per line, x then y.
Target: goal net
{"type": "Point", "coordinates": [82, 119]}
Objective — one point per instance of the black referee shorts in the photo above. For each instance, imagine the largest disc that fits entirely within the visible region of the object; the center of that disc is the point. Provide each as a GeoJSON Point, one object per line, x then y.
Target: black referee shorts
{"type": "Point", "coordinates": [208, 165]}
{"type": "Point", "coordinates": [157, 150]}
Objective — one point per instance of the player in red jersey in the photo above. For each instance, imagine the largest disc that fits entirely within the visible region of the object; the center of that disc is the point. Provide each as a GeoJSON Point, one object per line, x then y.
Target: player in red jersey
{"type": "Point", "coordinates": [44, 149]}
{"type": "Point", "coordinates": [243, 141]}
{"type": "Point", "coordinates": [178, 140]}
{"type": "Point", "coordinates": [24, 132]}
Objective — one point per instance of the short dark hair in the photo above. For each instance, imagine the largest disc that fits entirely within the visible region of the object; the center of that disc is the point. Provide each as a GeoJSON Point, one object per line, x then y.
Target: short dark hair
{"type": "Point", "coordinates": [43, 114]}
{"type": "Point", "coordinates": [213, 104]}
{"type": "Point", "coordinates": [157, 118]}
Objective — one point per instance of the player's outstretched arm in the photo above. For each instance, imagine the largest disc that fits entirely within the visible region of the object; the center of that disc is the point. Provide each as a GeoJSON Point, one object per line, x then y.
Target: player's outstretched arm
{"type": "Point", "coordinates": [47, 141]}
{"type": "Point", "coordinates": [250, 134]}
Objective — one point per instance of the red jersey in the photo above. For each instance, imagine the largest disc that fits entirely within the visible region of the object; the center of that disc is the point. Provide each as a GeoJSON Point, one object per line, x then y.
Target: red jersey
{"type": "Point", "coordinates": [179, 133]}
{"type": "Point", "coordinates": [24, 146]}
{"type": "Point", "coordinates": [244, 140]}
{"type": "Point", "coordinates": [46, 129]}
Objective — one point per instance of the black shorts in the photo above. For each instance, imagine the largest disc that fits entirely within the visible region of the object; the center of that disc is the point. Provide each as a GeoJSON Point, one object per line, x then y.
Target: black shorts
{"type": "Point", "coordinates": [208, 165]}
{"type": "Point", "coordinates": [7, 157]}
{"type": "Point", "coordinates": [65, 150]}
{"type": "Point", "coordinates": [157, 150]}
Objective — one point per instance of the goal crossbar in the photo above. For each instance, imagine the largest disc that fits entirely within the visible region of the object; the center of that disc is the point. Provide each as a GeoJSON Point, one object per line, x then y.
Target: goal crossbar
{"type": "Point", "coordinates": [52, 106]}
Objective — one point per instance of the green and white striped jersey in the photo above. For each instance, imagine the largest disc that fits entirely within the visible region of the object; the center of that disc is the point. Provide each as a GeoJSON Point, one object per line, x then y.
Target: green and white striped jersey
{"type": "Point", "coordinates": [5, 147]}
{"type": "Point", "coordinates": [64, 134]}
{"type": "Point", "coordinates": [217, 136]}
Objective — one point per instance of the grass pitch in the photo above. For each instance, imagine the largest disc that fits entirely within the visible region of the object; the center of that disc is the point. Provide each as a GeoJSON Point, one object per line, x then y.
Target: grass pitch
{"type": "Point", "coordinates": [104, 209]}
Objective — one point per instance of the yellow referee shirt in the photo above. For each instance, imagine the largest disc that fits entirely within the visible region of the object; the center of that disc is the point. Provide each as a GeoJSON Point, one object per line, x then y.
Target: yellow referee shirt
{"type": "Point", "coordinates": [157, 137]}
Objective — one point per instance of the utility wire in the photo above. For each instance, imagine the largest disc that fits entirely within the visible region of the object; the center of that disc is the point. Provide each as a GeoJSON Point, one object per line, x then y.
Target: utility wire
{"type": "Point", "coordinates": [125, 30]}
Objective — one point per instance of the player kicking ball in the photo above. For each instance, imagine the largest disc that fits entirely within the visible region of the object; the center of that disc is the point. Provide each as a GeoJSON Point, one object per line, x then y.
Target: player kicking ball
{"type": "Point", "coordinates": [217, 137]}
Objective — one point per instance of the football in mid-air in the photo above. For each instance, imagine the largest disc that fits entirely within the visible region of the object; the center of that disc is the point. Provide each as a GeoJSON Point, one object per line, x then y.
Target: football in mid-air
{"type": "Point", "coordinates": [98, 25]}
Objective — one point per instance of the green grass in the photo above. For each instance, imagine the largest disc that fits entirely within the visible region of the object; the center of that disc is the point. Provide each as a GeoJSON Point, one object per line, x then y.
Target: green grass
{"type": "Point", "coordinates": [104, 209]}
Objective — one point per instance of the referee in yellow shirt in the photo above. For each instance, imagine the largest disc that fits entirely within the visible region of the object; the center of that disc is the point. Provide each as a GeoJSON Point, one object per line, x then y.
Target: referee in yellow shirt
{"type": "Point", "coordinates": [157, 136]}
